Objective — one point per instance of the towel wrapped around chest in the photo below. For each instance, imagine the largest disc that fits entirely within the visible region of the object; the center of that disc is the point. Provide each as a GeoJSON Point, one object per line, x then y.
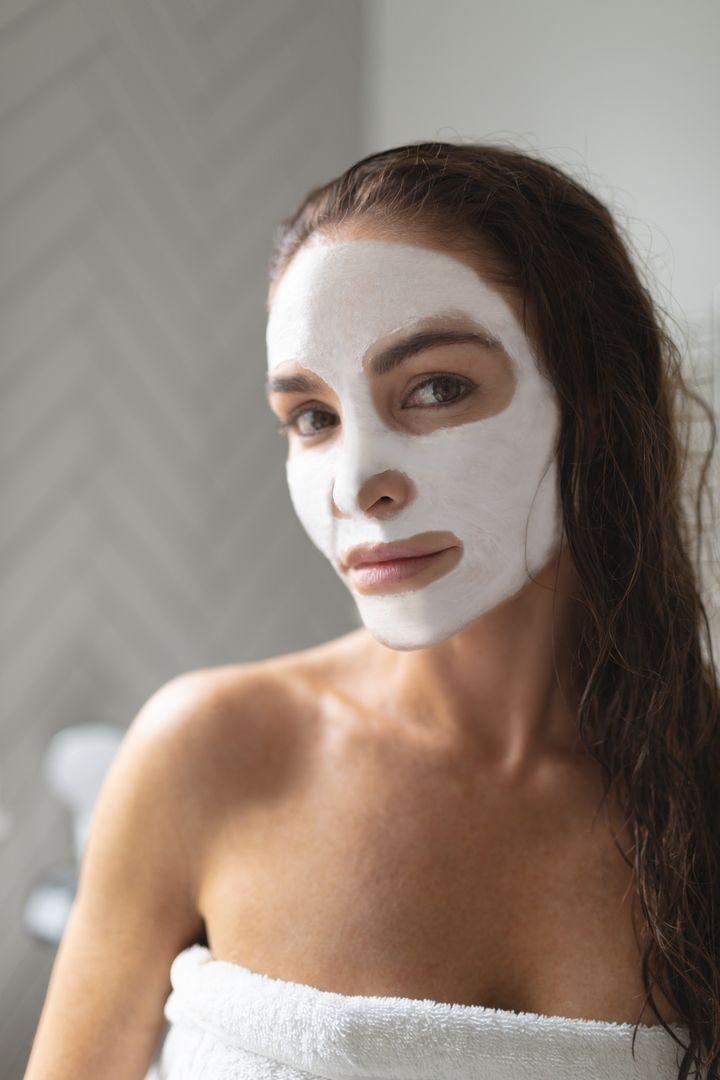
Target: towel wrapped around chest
{"type": "Point", "coordinates": [230, 1023]}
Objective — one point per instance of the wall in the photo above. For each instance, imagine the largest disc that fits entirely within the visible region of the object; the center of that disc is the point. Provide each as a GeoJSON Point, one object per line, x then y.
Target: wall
{"type": "Point", "coordinates": [625, 93]}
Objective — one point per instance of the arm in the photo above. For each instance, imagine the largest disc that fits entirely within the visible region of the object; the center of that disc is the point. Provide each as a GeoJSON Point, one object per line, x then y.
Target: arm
{"type": "Point", "coordinates": [134, 909]}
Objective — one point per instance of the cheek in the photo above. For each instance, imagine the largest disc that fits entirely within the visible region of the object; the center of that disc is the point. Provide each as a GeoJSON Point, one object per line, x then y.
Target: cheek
{"type": "Point", "coordinates": [310, 486]}
{"type": "Point", "coordinates": [498, 457]}
{"type": "Point", "coordinates": [488, 472]}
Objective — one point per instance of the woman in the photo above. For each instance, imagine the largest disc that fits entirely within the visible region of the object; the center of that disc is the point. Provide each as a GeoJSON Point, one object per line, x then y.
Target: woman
{"type": "Point", "coordinates": [501, 792]}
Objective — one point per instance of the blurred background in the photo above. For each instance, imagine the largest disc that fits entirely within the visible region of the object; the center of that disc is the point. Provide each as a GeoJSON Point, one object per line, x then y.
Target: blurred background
{"type": "Point", "coordinates": [148, 149]}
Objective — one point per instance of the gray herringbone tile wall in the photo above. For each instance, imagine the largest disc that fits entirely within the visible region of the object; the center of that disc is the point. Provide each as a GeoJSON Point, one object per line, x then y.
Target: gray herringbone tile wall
{"type": "Point", "coordinates": [148, 149]}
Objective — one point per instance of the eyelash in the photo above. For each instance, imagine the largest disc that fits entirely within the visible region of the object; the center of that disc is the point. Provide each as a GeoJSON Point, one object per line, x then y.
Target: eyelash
{"type": "Point", "coordinates": [471, 387]}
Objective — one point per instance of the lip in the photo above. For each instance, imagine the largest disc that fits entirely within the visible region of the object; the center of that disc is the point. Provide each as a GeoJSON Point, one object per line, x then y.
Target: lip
{"type": "Point", "coordinates": [373, 554]}
{"type": "Point", "coordinates": [382, 574]}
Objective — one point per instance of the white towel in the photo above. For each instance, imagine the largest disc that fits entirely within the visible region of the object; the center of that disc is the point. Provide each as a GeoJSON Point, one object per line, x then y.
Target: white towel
{"type": "Point", "coordinates": [230, 1023]}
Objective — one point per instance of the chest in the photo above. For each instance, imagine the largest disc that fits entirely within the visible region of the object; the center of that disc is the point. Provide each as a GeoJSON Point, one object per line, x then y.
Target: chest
{"type": "Point", "coordinates": [423, 882]}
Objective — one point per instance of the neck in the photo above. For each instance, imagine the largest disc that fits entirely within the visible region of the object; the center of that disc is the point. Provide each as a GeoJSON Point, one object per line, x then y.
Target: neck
{"type": "Point", "coordinates": [500, 688]}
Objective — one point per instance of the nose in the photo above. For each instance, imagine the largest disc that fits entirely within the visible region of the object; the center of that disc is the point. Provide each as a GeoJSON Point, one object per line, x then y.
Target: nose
{"type": "Point", "coordinates": [365, 485]}
{"type": "Point", "coordinates": [381, 496]}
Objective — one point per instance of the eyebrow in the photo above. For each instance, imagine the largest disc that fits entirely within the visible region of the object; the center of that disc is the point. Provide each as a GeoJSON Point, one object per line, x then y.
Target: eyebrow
{"type": "Point", "coordinates": [390, 358]}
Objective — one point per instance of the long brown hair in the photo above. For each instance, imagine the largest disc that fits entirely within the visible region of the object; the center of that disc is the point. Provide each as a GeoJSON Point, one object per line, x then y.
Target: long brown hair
{"type": "Point", "coordinates": [648, 683]}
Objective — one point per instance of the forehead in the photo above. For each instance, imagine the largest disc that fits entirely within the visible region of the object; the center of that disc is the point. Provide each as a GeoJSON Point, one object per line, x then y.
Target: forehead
{"type": "Point", "coordinates": [336, 298]}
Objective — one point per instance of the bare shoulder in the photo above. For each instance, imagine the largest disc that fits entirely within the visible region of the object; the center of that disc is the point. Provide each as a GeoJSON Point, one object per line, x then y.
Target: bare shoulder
{"type": "Point", "coordinates": [278, 689]}
{"type": "Point", "coordinates": [201, 748]}
{"type": "Point", "coordinates": [237, 727]}
{"type": "Point", "coordinates": [136, 901]}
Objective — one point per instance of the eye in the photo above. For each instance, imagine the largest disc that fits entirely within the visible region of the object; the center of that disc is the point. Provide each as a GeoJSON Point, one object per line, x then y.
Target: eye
{"type": "Point", "coordinates": [292, 422]}
{"type": "Point", "coordinates": [445, 382]}
{"type": "Point", "coordinates": [442, 380]}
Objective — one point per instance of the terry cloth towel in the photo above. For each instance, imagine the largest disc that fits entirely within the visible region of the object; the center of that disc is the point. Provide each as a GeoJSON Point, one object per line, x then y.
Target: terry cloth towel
{"type": "Point", "coordinates": [230, 1023]}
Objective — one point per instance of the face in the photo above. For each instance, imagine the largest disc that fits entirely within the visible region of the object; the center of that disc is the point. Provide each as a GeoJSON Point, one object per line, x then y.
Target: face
{"type": "Point", "coordinates": [418, 417]}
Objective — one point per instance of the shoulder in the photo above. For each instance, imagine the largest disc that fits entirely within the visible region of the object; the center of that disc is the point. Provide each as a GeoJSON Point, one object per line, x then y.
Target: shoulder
{"type": "Point", "coordinates": [190, 712]}
{"type": "Point", "coordinates": [259, 699]}
{"type": "Point", "coordinates": [230, 730]}
{"type": "Point", "coordinates": [201, 719]}
{"type": "Point", "coordinates": [218, 729]}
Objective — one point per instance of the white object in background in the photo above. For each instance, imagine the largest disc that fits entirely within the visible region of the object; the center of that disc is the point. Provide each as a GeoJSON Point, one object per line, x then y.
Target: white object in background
{"type": "Point", "coordinates": [75, 764]}
{"type": "Point", "coordinates": [48, 907]}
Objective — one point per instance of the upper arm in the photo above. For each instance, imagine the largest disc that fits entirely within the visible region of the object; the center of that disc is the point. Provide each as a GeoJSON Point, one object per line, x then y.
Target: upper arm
{"type": "Point", "coordinates": [135, 904]}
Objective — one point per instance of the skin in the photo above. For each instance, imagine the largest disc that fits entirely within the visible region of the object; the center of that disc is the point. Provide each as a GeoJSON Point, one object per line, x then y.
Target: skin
{"type": "Point", "coordinates": [418, 823]}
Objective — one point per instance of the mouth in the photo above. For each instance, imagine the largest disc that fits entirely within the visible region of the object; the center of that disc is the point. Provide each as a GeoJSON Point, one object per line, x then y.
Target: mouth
{"type": "Point", "coordinates": [374, 554]}
{"type": "Point", "coordinates": [378, 567]}
{"type": "Point", "coordinates": [370, 574]}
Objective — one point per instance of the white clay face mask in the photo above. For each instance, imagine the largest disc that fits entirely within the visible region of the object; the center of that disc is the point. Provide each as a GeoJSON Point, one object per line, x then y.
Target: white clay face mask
{"type": "Point", "coordinates": [491, 482]}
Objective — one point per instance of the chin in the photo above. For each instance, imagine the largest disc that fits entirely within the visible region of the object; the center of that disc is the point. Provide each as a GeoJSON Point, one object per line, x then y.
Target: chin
{"type": "Point", "coordinates": [406, 639]}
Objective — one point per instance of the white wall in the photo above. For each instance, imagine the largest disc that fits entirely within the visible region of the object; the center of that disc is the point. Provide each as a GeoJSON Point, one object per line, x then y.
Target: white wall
{"type": "Point", "coordinates": [626, 92]}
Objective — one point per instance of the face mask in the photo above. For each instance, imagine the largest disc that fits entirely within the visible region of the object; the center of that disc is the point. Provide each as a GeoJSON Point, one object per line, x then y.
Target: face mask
{"type": "Point", "coordinates": [492, 482]}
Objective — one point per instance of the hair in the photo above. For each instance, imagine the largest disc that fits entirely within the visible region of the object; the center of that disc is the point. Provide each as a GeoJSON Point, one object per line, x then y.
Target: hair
{"type": "Point", "coordinates": [647, 681]}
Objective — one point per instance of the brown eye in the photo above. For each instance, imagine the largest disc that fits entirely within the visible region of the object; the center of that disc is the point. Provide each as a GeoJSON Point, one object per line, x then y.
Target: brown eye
{"type": "Point", "coordinates": [294, 425]}
{"type": "Point", "coordinates": [447, 391]}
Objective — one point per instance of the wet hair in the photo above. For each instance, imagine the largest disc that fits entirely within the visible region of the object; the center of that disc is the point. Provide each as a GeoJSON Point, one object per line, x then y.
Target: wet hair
{"type": "Point", "coordinates": [646, 678]}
